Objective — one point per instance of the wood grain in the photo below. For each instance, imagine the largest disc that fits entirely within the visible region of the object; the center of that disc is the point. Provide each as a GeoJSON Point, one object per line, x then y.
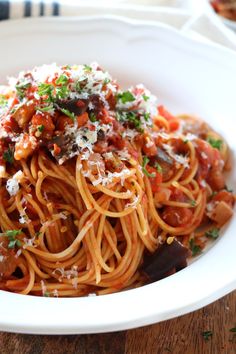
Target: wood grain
{"type": "Point", "coordinates": [182, 335]}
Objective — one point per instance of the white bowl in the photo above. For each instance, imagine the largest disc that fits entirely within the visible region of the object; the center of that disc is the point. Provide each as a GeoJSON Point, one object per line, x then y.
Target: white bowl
{"type": "Point", "coordinates": [187, 76]}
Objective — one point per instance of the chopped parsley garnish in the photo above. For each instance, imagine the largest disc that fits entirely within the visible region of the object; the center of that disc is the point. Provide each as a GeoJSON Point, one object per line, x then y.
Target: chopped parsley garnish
{"type": "Point", "coordinates": [133, 118]}
{"type": "Point", "coordinates": [68, 113]}
{"type": "Point", "coordinates": [214, 193]}
{"type": "Point", "coordinates": [158, 167]}
{"type": "Point", "coordinates": [8, 156]}
{"type": "Point", "coordinates": [62, 92]}
{"type": "Point", "coordinates": [45, 89]}
{"type": "Point", "coordinates": [213, 233]}
{"type": "Point", "coordinates": [80, 83]}
{"type": "Point", "coordinates": [194, 248]}
{"type": "Point", "coordinates": [207, 335]}
{"type": "Point", "coordinates": [193, 203]}
{"type": "Point", "coordinates": [92, 117]}
{"type": "Point", "coordinates": [144, 164]}
{"type": "Point", "coordinates": [62, 80]}
{"type": "Point", "coordinates": [126, 96]}
{"type": "Point", "coordinates": [46, 294]}
{"type": "Point", "coordinates": [215, 143]}
{"type": "Point", "coordinates": [146, 116]}
{"type": "Point", "coordinates": [45, 109]}
{"type": "Point", "coordinates": [130, 117]}
{"type": "Point", "coordinates": [21, 88]}
{"type": "Point", "coordinates": [87, 68]}
{"type": "Point", "coordinates": [3, 101]}
{"type": "Point", "coordinates": [40, 128]}
{"type": "Point", "coordinates": [106, 81]}
{"type": "Point", "coordinates": [146, 98]}
{"type": "Point", "coordinates": [11, 235]}
{"type": "Point", "coordinates": [233, 330]}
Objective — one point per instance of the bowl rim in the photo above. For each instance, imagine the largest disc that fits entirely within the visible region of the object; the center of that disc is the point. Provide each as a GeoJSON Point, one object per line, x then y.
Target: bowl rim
{"type": "Point", "coordinates": [94, 320]}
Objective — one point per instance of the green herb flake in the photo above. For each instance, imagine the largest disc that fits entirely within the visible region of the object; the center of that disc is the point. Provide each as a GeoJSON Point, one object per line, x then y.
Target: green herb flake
{"type": "Point", "coordinates": [68, 113]}
{"type": "Point", "coordinates": [214, 194]}
{"type": "Point", "coordinates": [87, 68]}
{"type": "Point", "coordinates": [92, 117]}
{"type": "Point", "coordinates": [45, 89]}
{"type": "Point", "coordinates": [130, 117]}
{"type": "Point", "coordinates": [146, 98]}
{"type": "Point", "coordinates": [193, 203]}
{"type": "Point", "coordinates": [62, 80]}
{"type": "Point", "coordinates": [106, 81]}
{"type": "Point", "coordinates": [11, 235]}
{"type": "Point", "coordinates": [213, 233]}
{"type": "Point", "coordinates": [80, 83]}
{"type": "Point", "coordinates": [144, 164]}
{"type": "Point", "coordinates": [233, 330]}
{"type": "Point", "coordinates": [14, 243]}
{"type": "Point", "coordinates": [185, 141]}
{"type": "Point", "coordinates": [158, 167]}
{"type": "Point", "coordinates": [215, 143]}
{"type": "Point", "coordinates": [8, 156]}
{"type": "Point", "coordinates": [46, 294]}
{"type": "Point", "coordinates": [207, 335]}
{"type": "Point", "coordinates": [45, 109]}
{"type": "Point", "coordinates": [126, 96]}
{"type": "Point", "coordinates": [40, 128]}
{"type": "Point", "coordinates": [146, 116]}
{"type": "Point", "coordinates": [62, 92]}
{"type": "Point", "coordinates": [194, 248]}
{"type": "Point", "coordinates": [3, 101]}
{"type": "Point", "coordinates": [21, 88]}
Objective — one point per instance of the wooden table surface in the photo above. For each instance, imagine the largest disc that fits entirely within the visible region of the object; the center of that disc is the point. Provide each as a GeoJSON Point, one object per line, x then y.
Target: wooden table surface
{"type": "Point", "coordinates": [182, 335]}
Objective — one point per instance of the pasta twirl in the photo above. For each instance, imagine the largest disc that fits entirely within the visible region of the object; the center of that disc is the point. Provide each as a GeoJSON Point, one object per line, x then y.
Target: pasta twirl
{"type": "Point", "coordinates": [97, 182]}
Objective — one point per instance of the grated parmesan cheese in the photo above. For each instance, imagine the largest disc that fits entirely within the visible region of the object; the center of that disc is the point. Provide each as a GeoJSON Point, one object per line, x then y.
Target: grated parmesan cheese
{"type": "Point", "coordinates": [124, 154]}
{"type": "Point", "coordinates": [43, 287]}
{"type": "Point", "coordinates": [18, 253]}
{"type": "Point", "coordinates": [29, 242]}
{"type": "Point", "coordinates": [129, 133]}
{"type": "Point", "coordinates": [12, 185]}
{"type": "Point", "coordinates": [55, 293]}
{"type": "Point", "coordinates": [203, 155]}
{"type": "Point", "coordinates": [203, 183]}
{"type": "Point", "coordinates": [133, 204]}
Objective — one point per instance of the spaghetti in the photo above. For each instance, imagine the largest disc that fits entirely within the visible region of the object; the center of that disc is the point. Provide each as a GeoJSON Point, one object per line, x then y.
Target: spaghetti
{"type": "Point", "coordinates": [97, 182]}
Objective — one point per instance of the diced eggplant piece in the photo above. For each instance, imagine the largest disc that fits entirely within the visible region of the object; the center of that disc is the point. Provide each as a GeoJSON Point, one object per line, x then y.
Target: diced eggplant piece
{"type": "Point", "coordinates": [166, 163]}
{"type": "Point", "coordinates": [75, 106]}
{"type": "Point", "coordinates": [79, 106]}
{"type": "Point", "coordinates": [161, 157]}
{"type": "Point", "coordinates": [166, 260]}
